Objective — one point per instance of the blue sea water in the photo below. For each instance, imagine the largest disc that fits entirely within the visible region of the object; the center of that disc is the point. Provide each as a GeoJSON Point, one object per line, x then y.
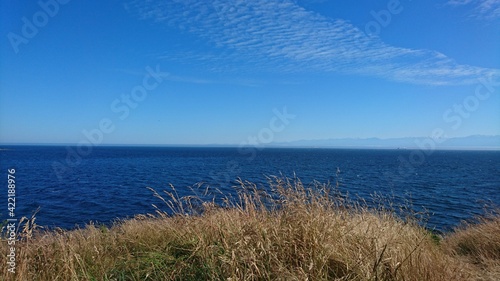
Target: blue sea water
{"type": "Point", "coordinates": [72, 188]}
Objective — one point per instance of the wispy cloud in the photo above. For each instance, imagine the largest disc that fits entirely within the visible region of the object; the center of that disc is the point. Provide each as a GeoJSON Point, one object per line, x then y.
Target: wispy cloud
{"type": "Point", "coordinates": [280, 35]}
{"type": "Point", "coordinates": [193, 80]}
{"type": "Point", "coordinates": [483, 9]}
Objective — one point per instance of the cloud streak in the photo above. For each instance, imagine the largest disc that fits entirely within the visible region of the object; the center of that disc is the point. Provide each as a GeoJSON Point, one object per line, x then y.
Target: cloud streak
{"type": "Point", "coordinates": [483, 9]}
{"type": "Point", "coordinates": [279, 35]}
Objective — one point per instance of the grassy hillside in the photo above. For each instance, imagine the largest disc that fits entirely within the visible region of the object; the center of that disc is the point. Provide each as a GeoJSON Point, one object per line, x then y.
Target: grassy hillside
{"type": "Point", "coordinates": [300, 234]}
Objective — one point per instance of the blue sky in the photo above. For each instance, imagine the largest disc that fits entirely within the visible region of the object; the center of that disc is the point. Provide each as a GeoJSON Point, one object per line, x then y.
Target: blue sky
{"type": "Point", "coordinates": [224, 72]}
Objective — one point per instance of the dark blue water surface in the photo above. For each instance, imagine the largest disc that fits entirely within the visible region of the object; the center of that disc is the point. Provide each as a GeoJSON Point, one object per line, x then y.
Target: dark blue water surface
{"type": "Point", "coordinates": [74, 187]}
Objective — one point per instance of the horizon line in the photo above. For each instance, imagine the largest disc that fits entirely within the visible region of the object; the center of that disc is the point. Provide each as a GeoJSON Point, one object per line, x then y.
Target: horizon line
{"type": "Point", "coordinates": [276, 146]}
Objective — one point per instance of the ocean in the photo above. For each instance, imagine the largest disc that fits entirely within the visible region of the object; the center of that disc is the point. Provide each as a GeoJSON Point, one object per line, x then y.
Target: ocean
{"type": "Point", "coordinates": [72, 186]}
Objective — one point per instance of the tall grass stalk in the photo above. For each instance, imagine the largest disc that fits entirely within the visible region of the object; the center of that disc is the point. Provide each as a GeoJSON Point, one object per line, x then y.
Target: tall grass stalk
{"type": "Point", "coordinates": [293, 232]}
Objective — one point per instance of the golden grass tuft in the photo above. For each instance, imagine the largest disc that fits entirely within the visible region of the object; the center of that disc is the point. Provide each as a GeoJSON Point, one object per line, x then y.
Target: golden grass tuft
{"type": "Point", "coordinates": [478, 244]}
{"type": "Point", "coordinates": [298, 233]}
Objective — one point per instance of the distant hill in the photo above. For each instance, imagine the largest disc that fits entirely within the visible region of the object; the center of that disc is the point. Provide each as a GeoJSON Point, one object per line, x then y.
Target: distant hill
{"type": "Point", "coordinates": [469, 142]}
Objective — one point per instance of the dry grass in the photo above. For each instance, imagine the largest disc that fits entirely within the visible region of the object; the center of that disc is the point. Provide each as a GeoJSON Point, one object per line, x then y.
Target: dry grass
{"type": "Point", "coordinates": [478, 244]}
{"type": "Point", "coordinates": [300, 234]}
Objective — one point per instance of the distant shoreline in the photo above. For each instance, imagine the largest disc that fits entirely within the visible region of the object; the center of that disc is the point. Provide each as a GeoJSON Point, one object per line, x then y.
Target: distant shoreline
{"type": "Point", "coordinates": [450, 148]}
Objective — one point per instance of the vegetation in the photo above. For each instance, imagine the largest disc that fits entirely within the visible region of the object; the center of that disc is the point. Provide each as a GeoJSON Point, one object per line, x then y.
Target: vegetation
{"type": "Point", "coordinates": [299, 233]}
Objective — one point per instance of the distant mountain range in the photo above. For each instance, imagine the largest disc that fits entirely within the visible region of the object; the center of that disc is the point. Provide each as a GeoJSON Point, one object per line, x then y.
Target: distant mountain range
{"type": "Point", "coordinates": [475, 142]}
{"type": "Point", "coordinates": [469, 142]}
